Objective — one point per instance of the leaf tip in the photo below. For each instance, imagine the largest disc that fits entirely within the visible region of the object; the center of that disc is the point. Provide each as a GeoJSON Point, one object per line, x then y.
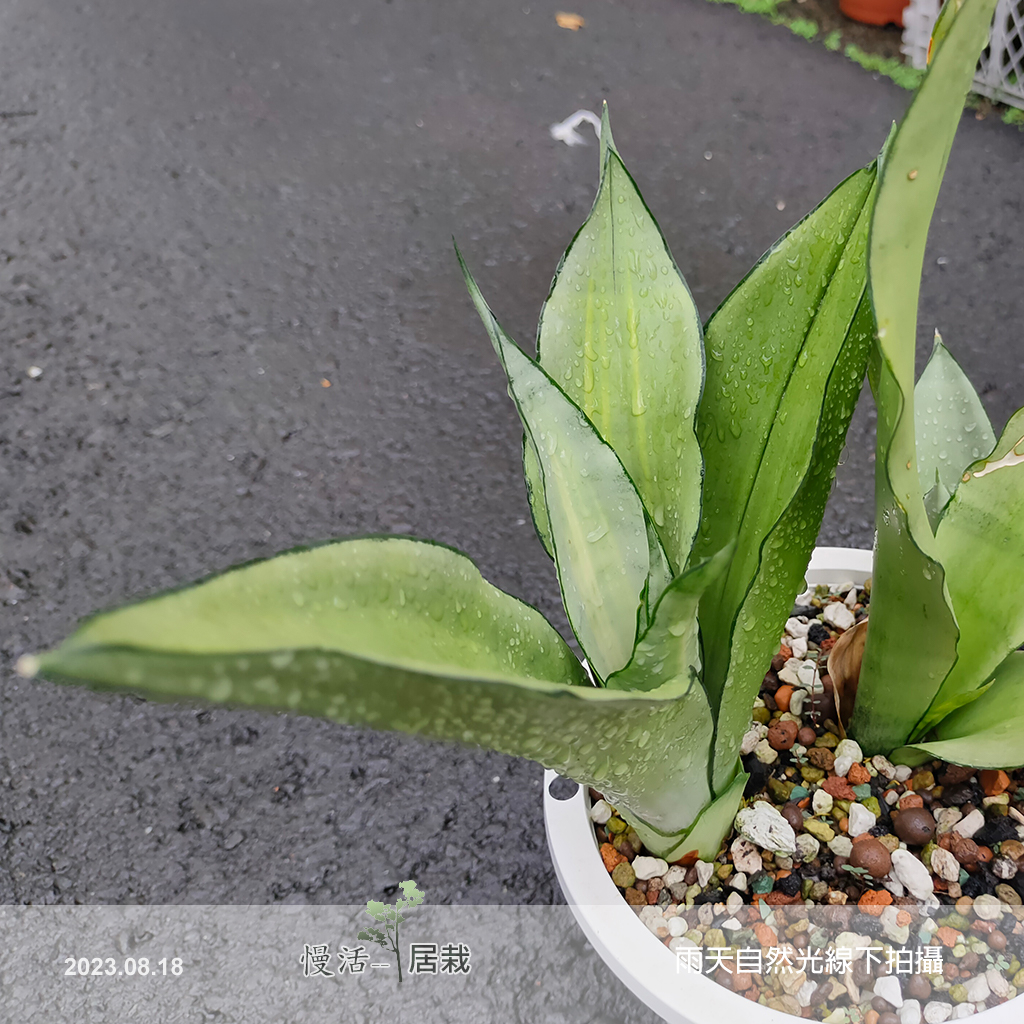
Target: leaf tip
{"type": "Point", "coordinates": [27, 666]}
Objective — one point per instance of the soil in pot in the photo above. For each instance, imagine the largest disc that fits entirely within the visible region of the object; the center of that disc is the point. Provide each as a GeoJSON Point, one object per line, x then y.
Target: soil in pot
{"type": "Point", "coordinates": [923, 866]}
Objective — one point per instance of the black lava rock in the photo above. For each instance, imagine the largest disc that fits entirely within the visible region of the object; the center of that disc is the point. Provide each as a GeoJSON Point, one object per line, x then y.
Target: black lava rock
{"type": "Point", "coordinates": [995, 831]}
{"type": "Point", "coordinates": [974, 886]}
{"type": "Point", "coordinates": [817, 634]}
{"type": "Point", "coordinates": [807, 610]}
{"type": "Point", "coordinates": [790, 885]}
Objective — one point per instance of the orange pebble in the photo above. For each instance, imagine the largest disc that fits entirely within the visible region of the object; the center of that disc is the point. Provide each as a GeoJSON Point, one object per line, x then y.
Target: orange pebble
{"type": "Point", "coordinates": [948, 936]}
{"type": "Point", "coordinates": [871, 1017]}
{"type": "Point", "coordinates": [785, 651]}
{"type": "Point", "coordinates": [858, 775]}
{"type": "Point", "coordinates": [782, 697]}
{"type": "Point", "coordinates": [910, 800]}
{"type": "Point", "coordinates": [985, 855]}
{"type": "Point", "coordinates": [806, 802]}
{"type": "Point", "coordinates": [994, 782]}
{"type": "Point", "coordinates": [766, 934]}
{"type": "Point", "coordinates": [610, 856]}
{"type": "Point", "coordinates": [844, 824]}
{"type": "Point", "coordinates": [874, 901]}
{"type": "Point", "coordinates": [902, 918]}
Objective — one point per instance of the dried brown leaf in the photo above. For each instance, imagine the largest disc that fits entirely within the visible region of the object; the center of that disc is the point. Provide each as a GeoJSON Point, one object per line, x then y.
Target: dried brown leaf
{"type": "Point", "coordinates": [844, 661]}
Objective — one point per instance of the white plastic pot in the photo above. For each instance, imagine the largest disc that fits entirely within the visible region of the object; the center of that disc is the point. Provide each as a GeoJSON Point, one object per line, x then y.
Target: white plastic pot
{"type": "Point", "coordinates": [636, 957]}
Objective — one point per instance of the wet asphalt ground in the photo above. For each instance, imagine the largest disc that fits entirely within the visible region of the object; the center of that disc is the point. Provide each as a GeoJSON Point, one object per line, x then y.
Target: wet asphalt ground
{"type": "Point", "coordinates": [209, 207]}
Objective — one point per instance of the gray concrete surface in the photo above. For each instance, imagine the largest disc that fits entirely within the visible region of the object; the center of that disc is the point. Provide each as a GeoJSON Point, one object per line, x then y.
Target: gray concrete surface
{"type": "Point", "coordinates": [217, 203]}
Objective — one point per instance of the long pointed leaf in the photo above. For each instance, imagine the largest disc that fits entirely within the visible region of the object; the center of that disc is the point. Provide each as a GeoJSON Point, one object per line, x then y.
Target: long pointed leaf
{"type": "Point", "coordinates": [596, 519]}
{"type": "Point", "coordinates": [620, 334]}
{"type": "Point", "coordinates": [981, 544]}
{"type": "Point", "coordinates": [395, 634]}
{"type": "Point", "coordinates": [909, 595]}
{"type": "Point", "coordinates": [670, 648]}
{"type": "Point", "coordinates": [535, 492]}
{"type": "Point", "coordinates": [951, 427]}
{"type": "Point", "coordinates": [786, 551]}
{"type": "Point", "coordinates": [773, 343]}
{"type": "Point", "coordinates": [987, 732]}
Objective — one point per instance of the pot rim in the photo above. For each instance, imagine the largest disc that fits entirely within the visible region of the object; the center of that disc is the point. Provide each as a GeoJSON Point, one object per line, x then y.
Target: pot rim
{"type": "Point", "coordinates": [644, 965]}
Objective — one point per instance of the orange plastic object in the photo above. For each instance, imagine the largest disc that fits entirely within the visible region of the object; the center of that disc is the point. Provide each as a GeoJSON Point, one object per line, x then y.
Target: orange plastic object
{"type": "Point", "coordinates": [875, 12]}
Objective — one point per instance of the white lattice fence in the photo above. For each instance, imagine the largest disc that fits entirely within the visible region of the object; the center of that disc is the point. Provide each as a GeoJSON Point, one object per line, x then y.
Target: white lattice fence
{"type": "Point", "coordinates": [1001, 68]}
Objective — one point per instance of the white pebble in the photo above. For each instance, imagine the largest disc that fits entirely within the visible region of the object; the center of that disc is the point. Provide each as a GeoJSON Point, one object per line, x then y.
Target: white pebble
{"type": "Point", "coordinates": [851, 598]}
{"type": "Point", "coordinates": [807, 676]}
{"type": "Point", "coordinates": [788, 675]}
{"type": "Point", "coordinates": [884, 767]}
{"type": "Point", "coordinates": [35, 372]}
{"type": "Point", "coordinates": [888, 987]}
{"type": "Point", "coordinates": [891, 796]}
{"type": "Point", "coordinates": [937, 1012]}
{"type": "Point", "coordinates": [963, 1011]}
{"type": "Point", "coordinates": [600, 812]}
{"type": "Point", "coordinates": [821, 802]}
{"type": "Point", "coordinates": [765, 827]}
{"type": "Point", "coordinates": [798, 645]}
{"type": "Point", "coordinates": [751, 738]}
{"type": "Point", "coordinates": [739, 881]}
{"type": "Point", "coordinates": [731, 924]}
{"type": "Point", "coordinates": [746, 857]}
{"type": "Point", "coordinates": [849, 748]}
{"type": "Point", "coordinates": [945, 865]}
{"type": "Point", "coordinates": [796, 628]}
{"type": "Point", "coordinates": [946, 818]}
{"type": "Point", "coordinates": [987, 907]}
{"type": "Point", "coordinates": [909, 871]}
{"type": "Point", "coordinates": [841, 846]}
{"type": "Point", "coordinates": [903, 772]}
{"type": "Point", "coordinates": [646, 868]}
{"type": "Point", "coordinates": [655, 921]}
{"type": "Point", "coordinates": [681, 942]}
{"type": "Point", "coordinates": [704, 872]}
{"type": "Point", "coordinates": [898, 933]}
{"type": "Point", "coordinates": [807, 847]}
{"type": "Point", "coordinates": [977, 988]}
{"type": "Point", "coordinates": [675, 874]}
{"type": "Point", "coordinates": [842, 765]}
{"type": "Point", "coordinates": [910, 1012]}
{"type": "Point", "coordinates": [764, 752]}
{"type": "Point", "coordinates": [997, 982]}
{"type": "Point", "coordinates": [966, 827]}
{"type": "Point", "coordinates": [676, 926]}
{"type": "Point", "coordinates": [837, 615]}
{"type": "Point", "coordinates": [805, 992]}
{"type": "Point", "coordinates": [796, 705]}
{"type": "Point", "coordinates": [861, 820]}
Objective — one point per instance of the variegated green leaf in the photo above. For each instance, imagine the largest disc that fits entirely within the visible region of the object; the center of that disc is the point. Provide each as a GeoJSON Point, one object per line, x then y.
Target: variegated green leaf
{"type": "Point", "coordinates": [394, 634]}
{"type": "Point", "coordinates": [981, 544]}
{"type": "Point", "coordinates": [772, 346]}
{"type": "Point", "coordinates": [952, 429]}
{"type": "Point", "coordinates": [670, 647]}
{"type": "Point", "coordinates": [595, 517]}
{"type": "Point", "coordinates": [909, 596]}
{"type": "Point", "coordinates": [620, 334]}
{"type": "Point", "coordinates": [535, 492]}
{"type": "Point", "coordinates": [785, 553]}
{"type": "Point", "coordinates": [987, 732]}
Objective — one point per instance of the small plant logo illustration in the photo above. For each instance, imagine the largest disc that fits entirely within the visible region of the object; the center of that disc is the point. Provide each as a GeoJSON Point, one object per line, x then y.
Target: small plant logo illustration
{"type": "Point", "coordinates": [391, 917]}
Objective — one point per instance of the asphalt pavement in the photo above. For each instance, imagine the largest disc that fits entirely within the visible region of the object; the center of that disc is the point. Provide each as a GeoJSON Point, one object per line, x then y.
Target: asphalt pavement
{"type": "Point", "coordinates": [210, 208]}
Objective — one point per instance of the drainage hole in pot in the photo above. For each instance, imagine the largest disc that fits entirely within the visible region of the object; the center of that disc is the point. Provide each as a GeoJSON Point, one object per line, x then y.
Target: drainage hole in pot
{"type": "Point", "coordinates": [563, 789]}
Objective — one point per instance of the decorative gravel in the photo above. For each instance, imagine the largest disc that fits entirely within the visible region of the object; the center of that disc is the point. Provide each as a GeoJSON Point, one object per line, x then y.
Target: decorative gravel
{"type": "Point", "coordinates": [851, 889]}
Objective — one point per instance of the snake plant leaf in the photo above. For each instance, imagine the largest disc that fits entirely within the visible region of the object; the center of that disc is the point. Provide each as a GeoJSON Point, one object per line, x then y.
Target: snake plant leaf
{"type": "Point", "coordinates": [620, 334]}
{"type": "Point", "coordinates": [951, 427]}
{"type": "Point", "coordinates": [595, 516]}
{"type": "Point", "coordinates": [786, 550]}
{"type": "Point", "coordinates": [535, 493]}
{"type": "Point", "coordinates": [986, 733]}
{"type": "Point", "coordinates": [670, 647]}
{"type": "Point", "coordinates": [394, 634]}
{"type": "Point", "coordinates": [774, 341]}
{"type": "Point", "coordinates": [981, 545]}
{"type": "Point", "coordinates": [909, 595]}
